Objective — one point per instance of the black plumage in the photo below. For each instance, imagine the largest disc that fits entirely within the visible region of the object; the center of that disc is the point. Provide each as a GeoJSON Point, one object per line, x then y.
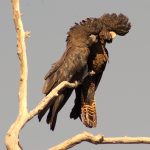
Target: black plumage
{"type": "Point", "coordinates": [82, 57]}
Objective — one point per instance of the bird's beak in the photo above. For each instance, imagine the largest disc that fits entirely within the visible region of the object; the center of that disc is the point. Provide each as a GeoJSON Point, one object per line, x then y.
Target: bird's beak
{"type": "Point", "coordinates": [113, 34]}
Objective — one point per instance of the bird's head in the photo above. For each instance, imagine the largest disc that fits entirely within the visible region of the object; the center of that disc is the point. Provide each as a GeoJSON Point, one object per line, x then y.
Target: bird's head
{"type": "Point", "coordinates": [112, 25]}
{"type": "Point", "coordinates": [106, 36]}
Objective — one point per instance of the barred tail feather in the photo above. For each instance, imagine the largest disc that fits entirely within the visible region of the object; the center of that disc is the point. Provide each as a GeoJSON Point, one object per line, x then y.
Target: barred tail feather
{"type": "Point", "coordinates": [88, 114]}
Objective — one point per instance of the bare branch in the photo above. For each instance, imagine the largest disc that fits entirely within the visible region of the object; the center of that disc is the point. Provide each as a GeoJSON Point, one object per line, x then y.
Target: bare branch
{"type": "Point", "coordinates": [11, 139]}
{"type": "Point", "coordinates": [126, 140]}
{"type": "Point", "coordinates": [21, 35]}
{"type": "Point", "coordinates": [99, 139]}
{"type": "Point", "coordinates": [85, 136]}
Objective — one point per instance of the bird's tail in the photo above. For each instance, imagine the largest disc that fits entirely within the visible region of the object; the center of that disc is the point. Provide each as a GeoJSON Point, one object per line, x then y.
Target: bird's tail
{"type": "Point", "coordinates": [88, 114]}
{"type": "Point", "coordinates": [54, 107]}
{"type": "Point", "coordinates": [85, 105]}
{"type": "Point", "coordinates": [53, 112]}
{"type": "Point", "coordinates": [76, 110]}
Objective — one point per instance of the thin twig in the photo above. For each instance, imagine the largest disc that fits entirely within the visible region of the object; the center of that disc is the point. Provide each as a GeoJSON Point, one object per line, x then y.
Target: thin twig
{"type": "Point", "coordinates": [99, 139]}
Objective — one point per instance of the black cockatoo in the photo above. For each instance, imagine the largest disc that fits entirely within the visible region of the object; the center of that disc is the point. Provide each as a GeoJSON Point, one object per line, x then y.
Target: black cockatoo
{"type": "Point", "coordinates": [83, 61]}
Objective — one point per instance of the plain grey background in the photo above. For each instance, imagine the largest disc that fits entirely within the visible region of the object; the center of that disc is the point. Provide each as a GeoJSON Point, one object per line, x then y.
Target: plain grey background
{"type": "Point", "coordinates": [123, 96]}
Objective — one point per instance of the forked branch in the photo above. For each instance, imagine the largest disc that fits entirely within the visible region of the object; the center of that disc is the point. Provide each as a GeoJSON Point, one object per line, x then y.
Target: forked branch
{"type": "Point", "coordinates": [12, 136]}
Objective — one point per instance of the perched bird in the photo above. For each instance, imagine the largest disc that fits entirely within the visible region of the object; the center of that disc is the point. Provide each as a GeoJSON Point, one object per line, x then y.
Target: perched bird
{"type": "Point", "coordinates": [83, 61]}
{"type": "Point", "coordinates": [85, 104]}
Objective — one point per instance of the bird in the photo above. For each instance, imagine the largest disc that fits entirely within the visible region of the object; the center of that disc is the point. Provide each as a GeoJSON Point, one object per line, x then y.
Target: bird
{"type": "Point", "coordinates": [84, 61]}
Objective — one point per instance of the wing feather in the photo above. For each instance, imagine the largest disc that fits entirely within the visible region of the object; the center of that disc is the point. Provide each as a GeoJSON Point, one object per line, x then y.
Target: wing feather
{"type": "Point", "coordinates": [71, 67]}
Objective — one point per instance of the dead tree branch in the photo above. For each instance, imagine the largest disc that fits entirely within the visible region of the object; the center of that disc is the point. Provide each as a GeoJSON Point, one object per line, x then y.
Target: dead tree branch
{"type": "Point", "coordinates": [12, 136]}
{"type": "Point", "coordinates": [99, 139]}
